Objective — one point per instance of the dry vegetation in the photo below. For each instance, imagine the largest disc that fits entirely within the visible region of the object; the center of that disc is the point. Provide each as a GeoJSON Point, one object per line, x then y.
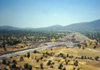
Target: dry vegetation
{"type": "Point", "coordinates": [56, 58]}
{"type": "Point", "coordinates": [85, 56]}
{"type": "Point", "coordinates": [16, 40]}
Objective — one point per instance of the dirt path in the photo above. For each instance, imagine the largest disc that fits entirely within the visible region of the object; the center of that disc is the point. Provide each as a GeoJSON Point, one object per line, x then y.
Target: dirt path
{"type": "Point", "coordinates": [93, 50]}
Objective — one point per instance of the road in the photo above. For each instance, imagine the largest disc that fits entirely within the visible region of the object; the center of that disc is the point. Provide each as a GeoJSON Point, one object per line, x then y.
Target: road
{"type": "Point", "coordinates": [19, 52]}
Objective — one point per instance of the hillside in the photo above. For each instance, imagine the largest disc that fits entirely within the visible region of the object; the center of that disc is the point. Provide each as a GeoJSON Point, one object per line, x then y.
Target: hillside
{"type": "Point", "coordinates": [86, 26]}
{"type": "Point", "coordinates": [9, 28]}
{"type": "Point", "coordinates": [93, 26]}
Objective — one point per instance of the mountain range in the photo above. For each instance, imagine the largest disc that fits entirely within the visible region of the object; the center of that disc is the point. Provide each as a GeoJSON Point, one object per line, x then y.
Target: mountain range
{"type": "Point", "coordinates": [93, 26]}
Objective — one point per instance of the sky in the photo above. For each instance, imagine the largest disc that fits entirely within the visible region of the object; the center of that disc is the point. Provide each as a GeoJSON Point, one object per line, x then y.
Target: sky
{"type": "Point", "coordinates": [43, 13]}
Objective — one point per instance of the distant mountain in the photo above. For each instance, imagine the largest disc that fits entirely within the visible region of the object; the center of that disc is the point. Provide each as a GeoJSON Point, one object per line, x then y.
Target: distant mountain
{"type": "Point", "coordinates": [51, 28]}
{"type": "Point", "coordinates": [8, 28]}
{"type": "Point", "coordinates": [55, 27]}
{"type": "Point", "coordinates": [85, 27]}
{"type": "Point", "coordinates": [93, 26]}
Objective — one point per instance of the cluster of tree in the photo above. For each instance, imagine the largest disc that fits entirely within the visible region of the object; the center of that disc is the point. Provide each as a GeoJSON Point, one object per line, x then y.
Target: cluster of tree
{"type": "Point", "coordinates": [13, 42]}
{"type": "Point", "coordinates": [27, 66]}
{"type": "Point", "coordinates": [5, 62]}
{"type": "Point", "coordinates": [92, 35]}
{"type": "Point", "coordinates": [28, 36]}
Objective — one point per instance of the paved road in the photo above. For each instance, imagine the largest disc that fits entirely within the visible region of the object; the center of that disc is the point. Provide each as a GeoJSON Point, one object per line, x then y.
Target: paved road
{"type": "Point", "coordinates": [17, 53]}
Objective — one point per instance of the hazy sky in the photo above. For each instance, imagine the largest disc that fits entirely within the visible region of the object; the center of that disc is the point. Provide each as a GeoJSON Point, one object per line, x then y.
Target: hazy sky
{"type": "Point", "coordinates": [42, 13]}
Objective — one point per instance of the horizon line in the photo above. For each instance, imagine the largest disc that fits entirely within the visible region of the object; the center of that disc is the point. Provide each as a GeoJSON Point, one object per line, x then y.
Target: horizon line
{"type": "Point", "coordinates": [51, 25]}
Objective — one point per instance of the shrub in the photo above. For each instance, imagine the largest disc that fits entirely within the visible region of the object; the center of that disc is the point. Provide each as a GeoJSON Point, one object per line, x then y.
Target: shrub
{"type": "Point", "coordinates": [67, 55]}
{"type": "Point", "coordinates": [41, 65]}
{"type": "Point", "coordinates": [61, 55]}
{"type": "Point", "coordinates": [64, 69]}
{"type": "Point", "coordinates": [60, 66]}
{"type": "Point", "coordinates": [79, 46]}
{"type": "Point", "coordinates": [94, 47]}
{"type": "Point", "coordinates": [41, 58]}
{"type": "Point", "coordinates": [4, 62]}
{"type": "Point", "coordinates": [96, 58]}
{"type": "Point", "coordinates": [83, 48]}
{"type": "Point", "coordinates": [5, 68]}
{"type": "Point", "coordinates": [64, 57]}
{"type": "Point", "coordinates": [35, 51]}
{"type": "Point", "coordinates": [73, 68]}
{"type": "Point", "coordinates": [28, 55]}
{"type": "Point", "coordinates": [78, 68]}
{"type": "Point", "coordinates": [49, 62]}
{"type": "Point", "coordinates": [66, 62]}
{"type": "Point", "coordinates": [8, 63]}
{"type": "Point", "coordinates": [21, 59]}
{"type": "Point", "coordinates": [30, 67]}
{"type": "Point", "coordinates": [70, 56]}
{"type": "Point", "coordinates": [76, 63]}
{"type": "Point", "coordinates": [14, 61]}
{"type": "Point", "coordinates": [37, 60]}
{"type": "Point", "coordinates": [14, 66]}
{"type": "Point", "coordinates": [26, 65]}
{"type": "Point", "coordinates": [83, 57]}
{"type": "Point", "coordinates": [51, 66]}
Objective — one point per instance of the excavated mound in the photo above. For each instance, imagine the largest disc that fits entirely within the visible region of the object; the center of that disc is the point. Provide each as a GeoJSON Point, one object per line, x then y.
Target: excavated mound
{"type": "Point", "coordinates": [74, 39]}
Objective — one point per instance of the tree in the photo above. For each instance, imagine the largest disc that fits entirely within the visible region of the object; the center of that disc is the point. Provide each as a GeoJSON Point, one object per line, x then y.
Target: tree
{"type": "Point", "coordinates": [76, 63]}
{"type": "Point", "coordinates": [5, 68]}
{"type": "Point", "coordinates": [79, 46]}
{"type": "Point", "coordinates": [14, 66]}
{"type": "Point", "coordinates": [21, 59]}
{"type": "Point", "coordinates": [73, 68]}
{"type": "Point", "coordinates": [3, 45]}
{"type": "Point", "coordinates": [60, 66]}
{"type": "Point", "coordinates": [83, 48]}
{"type": "Point", "coordinates": [78, 68]}
{"type": "Point", "coordinates": [41, 58]}
{"type": "Point", "coordinates": [64, 57]}
{"type": "Point", "coordinates": [49, 62]}
{"type": "Point", "coordinates": [94, 47]}
{"type": "Point", "coordinates": [28, 55]}
{"type": "Point", "coordinates": [37, 60]}
{"type": "Point", "coordinates": [35, 51]}
{"type": "Point", "coordinates": [96, 58]}
{"type": "Point", "coordinates": [67, 55]}
{"type": "Point", "coordinates": [30, 67]}
{"type": "Point", "coordinates": [14, 61]}
{"type": "Point", "coordinates": [41, 65]}
{"type": "Point", "coordinates": [61, 54]}
{"type": "Point", "coordinates": [4, 62]}
{"type": "Point", "coordinates": [82, 57]}
{"type": "Point", "coordinates": [66, 62]}
{"type": "Point", "coordinates": [26, 65]}
{"type": "Point", "coordinates": [51, 66]}
{"type": "Point", "coordinates": [8, 62]}
{"type": "Point", "coordinates": [64, 69]}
